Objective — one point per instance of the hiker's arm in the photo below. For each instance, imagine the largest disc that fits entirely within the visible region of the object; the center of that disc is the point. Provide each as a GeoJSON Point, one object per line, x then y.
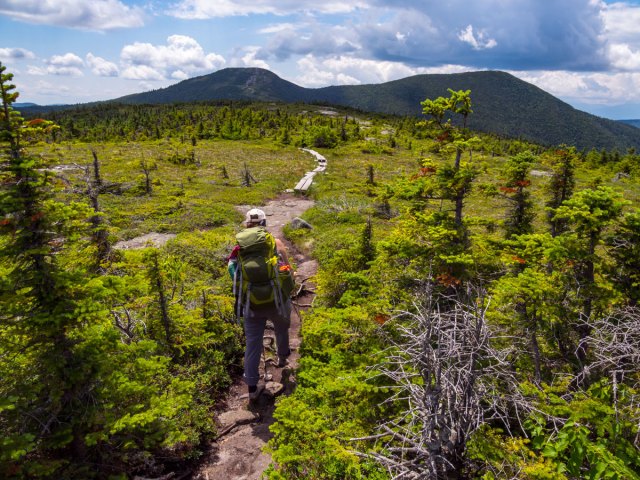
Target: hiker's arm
{"type": "Point", "coordinates": [282, 251]}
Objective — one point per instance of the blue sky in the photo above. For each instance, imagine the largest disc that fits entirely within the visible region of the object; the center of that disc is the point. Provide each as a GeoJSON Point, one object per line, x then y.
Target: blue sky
{"type": "Point", "coordinates": [586, 52]}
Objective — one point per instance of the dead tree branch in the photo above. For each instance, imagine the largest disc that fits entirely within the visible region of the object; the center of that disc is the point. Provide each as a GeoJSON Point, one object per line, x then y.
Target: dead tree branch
{"type": "Point", "coordinates": [615, 346]}
{"type": "Point", "coordinates": [443, 366]}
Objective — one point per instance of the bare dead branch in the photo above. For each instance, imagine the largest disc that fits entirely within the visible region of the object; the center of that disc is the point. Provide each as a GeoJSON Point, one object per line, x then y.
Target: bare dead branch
{"type": "Point", "coordinates": [452, 381]}
{"type": "Point", "coordinates": [615, 347]}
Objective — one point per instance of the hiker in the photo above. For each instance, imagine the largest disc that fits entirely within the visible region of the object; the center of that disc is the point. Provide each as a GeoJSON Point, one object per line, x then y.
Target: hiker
{"type": "Point", "coordinates": [261, 272]}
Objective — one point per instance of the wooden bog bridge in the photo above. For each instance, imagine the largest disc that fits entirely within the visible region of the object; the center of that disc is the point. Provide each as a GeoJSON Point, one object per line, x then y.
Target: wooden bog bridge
{"type": "Point", "coordinates": [306, 181]}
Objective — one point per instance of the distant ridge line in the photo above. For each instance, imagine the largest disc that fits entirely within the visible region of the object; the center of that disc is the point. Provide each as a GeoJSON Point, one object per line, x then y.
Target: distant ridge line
{"type": "Point", "coordinates": [502, 104]}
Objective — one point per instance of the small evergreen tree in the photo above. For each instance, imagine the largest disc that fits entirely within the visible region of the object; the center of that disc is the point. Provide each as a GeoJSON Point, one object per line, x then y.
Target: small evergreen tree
{"type": "Point", "coordinates": [454, 180]}
{"type": "Point", "coordinates": [370, 175]}
{"type": "Point", "coordinates": [560, 187]}
{"type": "Point", "coordinates": [590, 212]}
{"type": "Point", "coordinates": [520, 216]}
{"type": "Point", "coordinates": [367, 247]}
{"type": "Point", "coordinates": [624, 247]}
{"type": "Point", "coordinates": [157, 281]}
{"type": "Point", "coordinates": [247, 178]}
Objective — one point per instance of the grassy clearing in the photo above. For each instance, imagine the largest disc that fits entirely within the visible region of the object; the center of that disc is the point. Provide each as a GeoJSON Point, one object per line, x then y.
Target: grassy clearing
{"type": "Point", "coordinates": [183, 197]}
{"type": "Point", "coordinates": [200, 196]}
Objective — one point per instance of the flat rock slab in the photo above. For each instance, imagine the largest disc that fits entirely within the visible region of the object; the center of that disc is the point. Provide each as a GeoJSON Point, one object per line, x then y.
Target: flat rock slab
{"type": "Point", "coordinates": [540, 173]}
{"type": "Point", "coordinates": [273, 389]}
{"type": "Point", "coordinates": [237, 417]}
{"type": "Point", "coordinates": [152, 239]}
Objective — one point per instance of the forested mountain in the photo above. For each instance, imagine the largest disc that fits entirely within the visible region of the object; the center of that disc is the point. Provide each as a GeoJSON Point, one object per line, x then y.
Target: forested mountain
{"type": "Point", "coordinates": [228, 84]}
{"type": "Point", "coordinates": [503, 104]}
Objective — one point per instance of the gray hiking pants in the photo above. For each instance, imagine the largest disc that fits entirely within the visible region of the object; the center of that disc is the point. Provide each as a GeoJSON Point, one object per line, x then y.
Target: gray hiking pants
{"type": "Point", "coordinates": [254, 333]}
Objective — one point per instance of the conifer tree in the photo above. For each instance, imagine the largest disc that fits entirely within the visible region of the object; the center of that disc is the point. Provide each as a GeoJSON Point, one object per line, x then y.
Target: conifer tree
{"type": "Point", "coordinates": [47, 375]}
{"type": "Point", "coordinates": [589, 212]}
{"type": "Point", "coordinates": [156, 278]}
{"type": "Point", "coordinates": [367, 247]}
{"type": "Point", "coordinates": [370, 175]}
{"type": "Point", "coordinates": [624, 247]}
{"type": "Point", "coordinates": [72, 394]}
{"type": "Point", "coordinates": [520, 216]}
{"type": "Point", "coordinates": [560, 187]}
{"type": "Point", "coordinates": [454, 180]}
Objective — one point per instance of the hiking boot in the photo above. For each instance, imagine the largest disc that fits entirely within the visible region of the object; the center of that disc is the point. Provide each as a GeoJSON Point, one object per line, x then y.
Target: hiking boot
{"type": "Point", "coordinates": [254, 392]}
{"type": "Point", "coordinates": [282, 360]}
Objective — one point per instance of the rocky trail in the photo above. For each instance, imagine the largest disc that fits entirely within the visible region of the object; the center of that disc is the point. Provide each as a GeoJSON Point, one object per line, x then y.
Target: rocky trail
{"type": "Point", "coordinates": [243, 429]}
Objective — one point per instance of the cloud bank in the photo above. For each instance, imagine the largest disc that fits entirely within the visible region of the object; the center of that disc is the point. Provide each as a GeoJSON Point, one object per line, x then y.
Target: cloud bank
{"type": "Point", "coordinates": [81, 14]}
{"type": "Point", "coordinates": [520, 34]}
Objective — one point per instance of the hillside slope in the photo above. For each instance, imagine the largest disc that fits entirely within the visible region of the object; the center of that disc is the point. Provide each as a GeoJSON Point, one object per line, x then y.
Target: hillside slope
{"type": "Point", "coordinates": [502, 103]}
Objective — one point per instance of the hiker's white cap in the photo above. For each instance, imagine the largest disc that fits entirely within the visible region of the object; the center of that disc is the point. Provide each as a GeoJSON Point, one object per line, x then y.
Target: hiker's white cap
{"type": "Point", "coordinates": [255, 215]}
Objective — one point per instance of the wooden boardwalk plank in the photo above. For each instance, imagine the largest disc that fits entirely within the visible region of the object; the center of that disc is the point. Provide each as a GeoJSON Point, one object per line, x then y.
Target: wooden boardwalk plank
{"type": "Point", "coordinates": [306, 181]}
{"type": "Point", "coordinates": [304, 184]}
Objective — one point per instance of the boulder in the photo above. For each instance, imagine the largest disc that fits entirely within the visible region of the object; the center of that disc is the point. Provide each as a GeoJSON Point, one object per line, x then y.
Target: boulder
{"type": "Point", "coordinates": [273, 389]}
{"type": "Point", "coordinates": [237, 417]}
{"type": "Point", "coordinates": [298, 223]}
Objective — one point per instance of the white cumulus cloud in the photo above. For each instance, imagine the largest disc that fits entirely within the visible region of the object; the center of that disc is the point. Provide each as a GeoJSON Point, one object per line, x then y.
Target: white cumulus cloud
{"type": "Point", "coordinates": [277, 28]}
{"type": "Point", "coordinates": [621, 30]}
{"type": "Point", "coordinates": [249, 56]}
{"type": "Point", "coordinates": [179, 75]}
{"type": "Point", "coordinates": [621, 22]}
{"type": "Point", "coordinates": [347, 70]}
{"type": "Point", "coordinates": [66, 60]}
{"type": "Point", "coordinates": [596, 88]}
{"type": "Point", "coordinates": [101, 67]}
{"type": "Point", "coordinates": [476, 40]}
{"type": "Point", "coordinates": [182, 55]}
{"type": "Point", "coordinates": [142, 72]}
{"type": "Point", "coordinates": [81, 14]}
{"type": "Point", "coordinates": [68, 65]}
{"type": "Point", "coordinates": [624, 58]}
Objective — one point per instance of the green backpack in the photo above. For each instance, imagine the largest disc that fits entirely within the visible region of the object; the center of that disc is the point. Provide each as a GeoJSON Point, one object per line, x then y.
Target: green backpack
{"type": "Point", "coordinates": [258, 282]}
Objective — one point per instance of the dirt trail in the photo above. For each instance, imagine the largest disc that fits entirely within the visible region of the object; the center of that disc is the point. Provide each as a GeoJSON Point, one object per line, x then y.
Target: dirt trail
{"type": "Point", "coordinates": [243, 430]}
